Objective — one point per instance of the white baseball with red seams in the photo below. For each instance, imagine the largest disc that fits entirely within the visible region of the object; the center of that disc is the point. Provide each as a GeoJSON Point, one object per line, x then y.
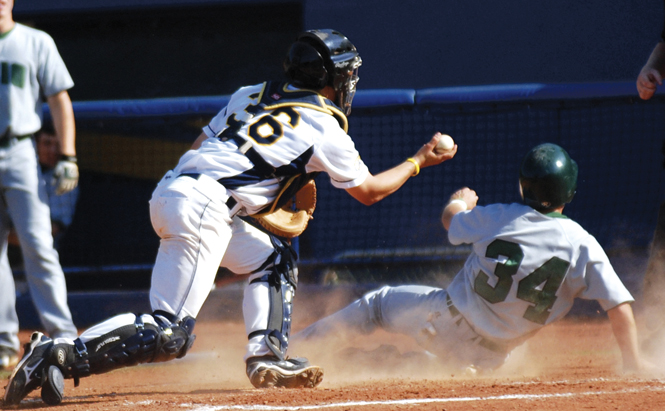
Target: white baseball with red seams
{"type": "Point", "coordinates": [445, 143]}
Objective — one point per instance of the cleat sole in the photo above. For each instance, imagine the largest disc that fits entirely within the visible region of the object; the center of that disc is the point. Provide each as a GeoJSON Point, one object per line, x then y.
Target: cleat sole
{"type": "Point", "coordinates": [269, 378]}
{"type": "Point", "coordinates": [53, 387]}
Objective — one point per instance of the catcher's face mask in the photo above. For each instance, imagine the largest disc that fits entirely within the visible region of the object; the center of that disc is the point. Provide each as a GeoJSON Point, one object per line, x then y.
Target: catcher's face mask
{"type": "Point", "coordinates": [345, 85]}
{"type": "Point", "coordinates": [325, 57]}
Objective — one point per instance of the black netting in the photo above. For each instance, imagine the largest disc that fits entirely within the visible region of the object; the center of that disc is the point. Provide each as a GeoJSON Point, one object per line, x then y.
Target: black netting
{"type": "Point", "coordinates": [616, 141]}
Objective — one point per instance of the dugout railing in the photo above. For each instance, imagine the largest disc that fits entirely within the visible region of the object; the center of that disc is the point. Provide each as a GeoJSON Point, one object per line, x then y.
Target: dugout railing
{"type": "Point", "coordinates": [125, 146]}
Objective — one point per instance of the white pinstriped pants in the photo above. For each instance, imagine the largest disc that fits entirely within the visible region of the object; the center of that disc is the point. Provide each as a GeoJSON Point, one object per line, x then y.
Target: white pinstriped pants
{"type": "Point", "coordinates": [197, 236]}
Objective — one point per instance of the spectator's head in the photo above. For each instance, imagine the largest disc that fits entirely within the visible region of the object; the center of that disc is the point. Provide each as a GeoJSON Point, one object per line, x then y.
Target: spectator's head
{"type": "Point", "coordinates": [6, 16]}
{"type": "Point", "coordinates": [48, 146]}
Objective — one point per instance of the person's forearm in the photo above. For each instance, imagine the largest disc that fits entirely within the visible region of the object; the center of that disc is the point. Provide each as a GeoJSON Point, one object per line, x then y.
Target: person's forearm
{"type": "Point", "coordinates": [62, 114]}
{"type": "Point", "coordinates": [656, 60]}
{"type": "Point", "coordinates": [199, 140]}
{"type": "Point", "coordinates": [376, 188]}
{"type": "Point", "coordinates": [625, 331]}
{"type": "Point", "coordinates": [449, 211]}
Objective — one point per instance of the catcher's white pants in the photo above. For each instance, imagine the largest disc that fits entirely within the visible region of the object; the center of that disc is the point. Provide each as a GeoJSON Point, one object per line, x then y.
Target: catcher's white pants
{"type": "Point", "coordinates": [197, 236]}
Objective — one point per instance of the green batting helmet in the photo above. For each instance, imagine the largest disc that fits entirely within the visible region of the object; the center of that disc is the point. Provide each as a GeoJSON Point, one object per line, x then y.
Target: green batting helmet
{"type": "Point", "coordinates": [548, 177]}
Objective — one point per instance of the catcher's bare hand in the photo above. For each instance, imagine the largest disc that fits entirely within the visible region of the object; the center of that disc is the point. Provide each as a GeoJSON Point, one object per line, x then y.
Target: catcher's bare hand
{"type": "Point", "coordinates": [426, 156]}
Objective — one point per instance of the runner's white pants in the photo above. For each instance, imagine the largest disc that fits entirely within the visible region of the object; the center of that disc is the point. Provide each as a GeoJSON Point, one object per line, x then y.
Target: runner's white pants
{"type": "Point", "coordinates": [420, 312]}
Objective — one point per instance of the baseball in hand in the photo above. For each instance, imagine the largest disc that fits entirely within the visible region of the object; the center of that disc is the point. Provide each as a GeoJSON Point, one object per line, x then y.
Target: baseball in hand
{"type": "Point", "coordinates": [445, 143]}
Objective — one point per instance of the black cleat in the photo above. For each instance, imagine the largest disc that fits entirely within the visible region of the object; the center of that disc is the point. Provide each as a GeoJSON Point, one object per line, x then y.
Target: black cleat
{"type": "Point", "coordinates": [270, 371]}
{"type": "Point", "coordinates": [53, 385]}
{"type": "Point", "coordinates": [29, 373]}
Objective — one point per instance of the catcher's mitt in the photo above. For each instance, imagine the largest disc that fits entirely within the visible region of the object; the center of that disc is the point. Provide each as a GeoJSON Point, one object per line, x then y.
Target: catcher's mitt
{"type": "Point", "coordinates": [290, 221]}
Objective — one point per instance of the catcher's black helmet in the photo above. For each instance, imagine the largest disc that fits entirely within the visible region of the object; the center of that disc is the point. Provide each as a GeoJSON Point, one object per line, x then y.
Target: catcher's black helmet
{"type": "Point", "coordinates": [320, 58]}
{"type": "Point", "coordinates": [548, 177]}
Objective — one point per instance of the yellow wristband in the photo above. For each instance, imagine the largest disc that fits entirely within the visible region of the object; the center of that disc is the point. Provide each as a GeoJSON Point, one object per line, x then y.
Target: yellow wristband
{"type": "Point", "coordinates": [415, 163]}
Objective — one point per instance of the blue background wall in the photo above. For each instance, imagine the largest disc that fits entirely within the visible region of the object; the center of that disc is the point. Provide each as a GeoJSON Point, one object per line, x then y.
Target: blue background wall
{"type": "Point", "coordinates": [421, 43]}
{"type": "Point", "coordinates": [414, 43]}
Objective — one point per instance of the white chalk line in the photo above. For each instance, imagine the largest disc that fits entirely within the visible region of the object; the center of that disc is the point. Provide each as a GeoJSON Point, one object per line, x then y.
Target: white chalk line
{"type": "Point", "coordinates": [415, 401]}
{"type": "Point", "coordinates": [578, 382]}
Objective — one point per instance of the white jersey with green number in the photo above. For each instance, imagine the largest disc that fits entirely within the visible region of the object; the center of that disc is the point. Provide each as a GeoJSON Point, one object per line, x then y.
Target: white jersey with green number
{"type": "Point", "coordinates": [30, 68]}
{"type": "Point", "coordinates": [526, 269]}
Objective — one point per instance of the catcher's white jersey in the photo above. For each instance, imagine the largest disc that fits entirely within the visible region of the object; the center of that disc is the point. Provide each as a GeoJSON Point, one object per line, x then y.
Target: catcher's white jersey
{"type": "Point", "coordinates": [526, 269]}
{"type": "Point", "coordinates": [295, 131]}
{"type": "Point", "coordinates": [267, 142]}
{"type": "Point", "coordinates": [30, 68]}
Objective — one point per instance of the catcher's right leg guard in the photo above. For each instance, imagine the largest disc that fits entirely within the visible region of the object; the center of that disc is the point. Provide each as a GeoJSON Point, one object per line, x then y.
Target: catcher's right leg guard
{"type": "Point", "coordinates": [121, 341]}
{"type": "Point", "coordinates": [149, 338]}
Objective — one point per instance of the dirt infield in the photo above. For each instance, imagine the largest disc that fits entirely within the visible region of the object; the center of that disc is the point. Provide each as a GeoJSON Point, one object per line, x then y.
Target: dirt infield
{"type": "Point", "coordinates": [571, 365]}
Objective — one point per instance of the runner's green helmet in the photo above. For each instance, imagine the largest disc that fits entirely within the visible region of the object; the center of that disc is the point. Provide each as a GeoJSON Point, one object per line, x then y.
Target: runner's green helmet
{"type": "Point", "coordinates": [548, 177]}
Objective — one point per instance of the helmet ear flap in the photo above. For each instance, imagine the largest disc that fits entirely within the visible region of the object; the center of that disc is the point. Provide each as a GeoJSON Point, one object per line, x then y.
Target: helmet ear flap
{"type": "Point", "coordinates": [305, 67]}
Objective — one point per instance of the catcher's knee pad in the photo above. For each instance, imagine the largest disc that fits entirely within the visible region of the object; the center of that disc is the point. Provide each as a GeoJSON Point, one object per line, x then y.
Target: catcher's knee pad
{"type": "Point", "coordinates": [282, 281]}
{"type": "Point", "coordinates": [151, 338]}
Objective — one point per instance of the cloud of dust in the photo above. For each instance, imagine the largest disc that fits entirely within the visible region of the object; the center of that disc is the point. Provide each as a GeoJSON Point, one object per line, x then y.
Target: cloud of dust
{"type": "Point", "coordinates": [216, 359]}
{"type": "Point", "coordinates": [651, 329]}
{"type": "Point", "coordinates": [381, 355]}
{"type": "Point", "coordinates": [521, 363]}
{"type": "Point", "coordinates": [346, 358]}
{"type": "Point", "coordinates": [644, 275]}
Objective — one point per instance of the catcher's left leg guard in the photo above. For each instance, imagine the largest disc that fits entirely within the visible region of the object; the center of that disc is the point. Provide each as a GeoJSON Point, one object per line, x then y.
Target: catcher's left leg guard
{"type": "Point", "coordinates": [275, 369]}
{"type": "Point", "coordinates": [282, 280]}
